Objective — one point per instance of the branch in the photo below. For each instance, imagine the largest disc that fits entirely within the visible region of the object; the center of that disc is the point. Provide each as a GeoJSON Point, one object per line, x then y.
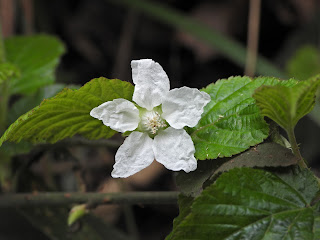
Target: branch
{"type": "Point", "coordinates": [93, 199]}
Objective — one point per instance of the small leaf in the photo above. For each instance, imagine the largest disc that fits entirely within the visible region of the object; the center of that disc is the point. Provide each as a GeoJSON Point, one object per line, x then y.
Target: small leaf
{"type": "Point", "coordinates": [263, 155]}
{"type": "Point", "coordinates": [305, 63]}
{"type": "Point", "coordinates": [231, 122]}
{"type": "Point", "coordinates": [7, 71]}
{"type": "Point", "coordinates": [76, 213]}
{"type": "Point", "coordinates": [287, 105]}
{"type": "Point", "coordinates": [36, 57]}
{"type": "Point", "coordinates": [68, 114]}
{"type": "Point", "coordinates": [247, 203]}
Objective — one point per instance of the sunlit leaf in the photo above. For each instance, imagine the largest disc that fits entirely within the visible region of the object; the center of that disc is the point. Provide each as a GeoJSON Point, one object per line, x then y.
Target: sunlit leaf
{"type": "Point", "coordinates": [287, 105]}
{"type": "Point", "coordinates": [231, 122]}
{"type": "Point", "coordinates": [67, 114]}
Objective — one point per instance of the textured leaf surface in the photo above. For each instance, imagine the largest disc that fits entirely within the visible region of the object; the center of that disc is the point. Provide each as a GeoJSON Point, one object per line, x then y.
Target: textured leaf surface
{"type": "Point", "coordinates": [231, 122]}
{"type": "Point", "coordinates": [36, 57]}
{"type": "Point", "coordinates": [252, 204]}
{"type": "Point", "coordinates": [26, 103]}
{"type": "Point", "coordinates": [67, 114]}
{"type": "Point", "coordinates": [287, 105]}
{"type": "Point", "coordinates": [263, 155]}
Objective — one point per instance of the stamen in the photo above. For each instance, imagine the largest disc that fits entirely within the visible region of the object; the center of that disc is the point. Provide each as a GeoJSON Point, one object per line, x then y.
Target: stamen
{"type": "Point", "coordinates": [152, 122]}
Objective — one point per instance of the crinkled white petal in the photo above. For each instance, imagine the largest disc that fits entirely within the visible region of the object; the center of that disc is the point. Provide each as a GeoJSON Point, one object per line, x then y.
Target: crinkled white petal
{"type": "Point", "coordinates": [120, 115]}
{"type": "Point", "coordinates": [175, 150]}
{"type": "Point", "coordinates": [183, 106]}
{"type": "Point", "coordinates": [133, 155]}
{"type": "Point", "coordinates": [151, 83]}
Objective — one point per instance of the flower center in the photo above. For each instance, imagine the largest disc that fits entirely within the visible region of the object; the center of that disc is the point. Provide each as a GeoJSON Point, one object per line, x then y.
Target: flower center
{"type": "Point", "coordinates": [151, 121]}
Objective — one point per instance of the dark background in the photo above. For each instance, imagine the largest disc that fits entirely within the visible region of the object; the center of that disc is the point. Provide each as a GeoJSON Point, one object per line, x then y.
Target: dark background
{"type": "Point", "coordinates": [102, 38]}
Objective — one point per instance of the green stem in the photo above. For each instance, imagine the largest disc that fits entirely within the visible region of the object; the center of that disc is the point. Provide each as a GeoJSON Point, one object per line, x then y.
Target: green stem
{"type": "Point", "coordinates": [4, 91]}
{"type": "Point", "coordinates": [93, 199]}
{"type": "Point", "coordinates": [295, 148]}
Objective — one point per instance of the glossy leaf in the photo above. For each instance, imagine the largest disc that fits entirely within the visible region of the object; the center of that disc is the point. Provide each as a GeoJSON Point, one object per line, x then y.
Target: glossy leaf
{"type": "Point", "coordinates": [287, 105]}
{"type": "Point", "coordinates": [247, 203]}
{"type": "Point", "coordinates": [231, 122]}
{"type": "Point", "coordinates": [36, 57]}
{"type": "Point", "coordinates": [67, 114]}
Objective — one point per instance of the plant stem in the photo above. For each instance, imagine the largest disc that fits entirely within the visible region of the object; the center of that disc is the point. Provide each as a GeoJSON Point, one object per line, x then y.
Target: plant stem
{"type": "Point", "coordinates": [253, 37]}
{"type": "Point", "coordinates": [4, 91]}
{"type": "Point", "coordinates": [93, 199]}
{"type": "Point", "coordinates": [295, 148]}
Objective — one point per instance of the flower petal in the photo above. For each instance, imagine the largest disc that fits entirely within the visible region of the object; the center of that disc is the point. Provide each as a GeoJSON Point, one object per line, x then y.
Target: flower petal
{"type": "Point", "coordinates": [184, 106]}
{"type": "Point", "coordinates": [133, 155]}
{"type": "Point", "coordinates": [120, 115]}
{"type": "Point", "coordinates": [151, 83]}
{"type": "Point", "coordinates": [175, 150]}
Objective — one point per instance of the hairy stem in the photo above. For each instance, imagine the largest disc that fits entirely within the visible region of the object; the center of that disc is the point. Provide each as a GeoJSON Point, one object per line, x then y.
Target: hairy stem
{"type": "Point", "coordinates": [93, 199]}
{"type": "Point", "coordinates": [295, 148]}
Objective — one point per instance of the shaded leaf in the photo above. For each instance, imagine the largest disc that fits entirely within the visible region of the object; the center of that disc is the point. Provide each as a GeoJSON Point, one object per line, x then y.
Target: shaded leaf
{"type": "Point", "coordinates": [191, 184]}
{"type": "Point", "coordinates": [8, 70]}
{"type": "Point", "coordinates": [231, 122]}
{"type": "Point", "coordinates": [247, 203]}
{"type": "Point", "coordinates": [53, 223]}
{"type": "Point", "coordinates": [26, 103]}
{"type": "Point", "coordinates": [184, 203]}
{"type": "Point", "coordinates": [305, 63]}
{"type": "Point", "coordinates": [37, 57]}
{"type": "Point", "coordinates": [67, 114]}
{"type": "Point", "coordinates": [287, 105]}
{"type": "Point", "coordinates": [263, 155]}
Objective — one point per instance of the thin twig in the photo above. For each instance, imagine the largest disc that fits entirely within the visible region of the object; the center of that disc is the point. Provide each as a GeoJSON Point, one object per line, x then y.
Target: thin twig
{"type": "Point", "coordinates": [122, 59]}
{"type": "Point", "coordinates": [93, 199]}
{"type": "Point", "coordinates": [253, 37]}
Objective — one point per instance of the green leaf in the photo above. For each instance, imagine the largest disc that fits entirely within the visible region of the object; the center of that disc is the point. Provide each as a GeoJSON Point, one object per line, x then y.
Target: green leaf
{"type": "Point", "coordinates": [287, 105]}
{"type": "Point", "coordinates": [7, 71]}
{"type": "Point", "coordinates": [26, 103]}
{"type": "Point", "coordinates": [305, 63]}
{"type": "Point", "coordinates": [263, 155]}
{"type": "Point", "coordinates": [76, 213]}
{"type": "Point", "coordinates": [36, 57]}
{"type": "Point", "coordinates": [247, 203]}
{"type": "Point", "coordinates": [67, 114]}
{"type": "Point", "coordinates": [231, 122]}
{"type": "Point", "coordinates": [184, 203]}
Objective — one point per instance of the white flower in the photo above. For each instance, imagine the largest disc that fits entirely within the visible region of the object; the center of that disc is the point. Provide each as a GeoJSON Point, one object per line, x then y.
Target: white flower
{"type": "Point", "coordinates": [157, 120]}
